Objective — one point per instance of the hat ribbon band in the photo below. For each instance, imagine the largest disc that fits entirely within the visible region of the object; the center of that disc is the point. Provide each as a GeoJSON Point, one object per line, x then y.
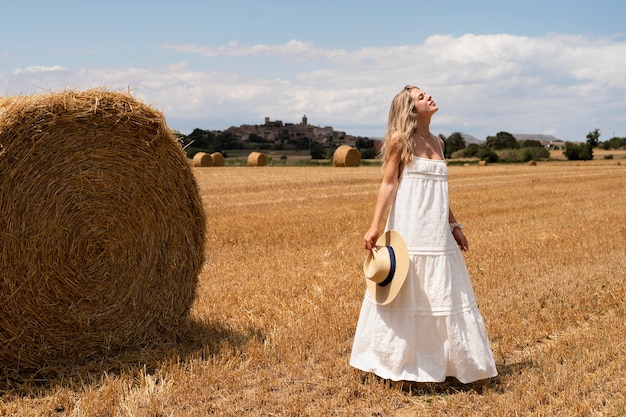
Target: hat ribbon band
{"type": "Point", "coordinates": [392, 267]}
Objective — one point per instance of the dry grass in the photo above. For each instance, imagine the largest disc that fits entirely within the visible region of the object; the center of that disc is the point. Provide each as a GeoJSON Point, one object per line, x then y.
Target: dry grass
{"type": "Point", "coordinates": [281, 288]}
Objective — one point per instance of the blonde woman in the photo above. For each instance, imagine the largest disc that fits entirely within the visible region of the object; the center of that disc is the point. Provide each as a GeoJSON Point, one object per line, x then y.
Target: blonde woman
{"type": "Point", "coordinates": [432, 329]}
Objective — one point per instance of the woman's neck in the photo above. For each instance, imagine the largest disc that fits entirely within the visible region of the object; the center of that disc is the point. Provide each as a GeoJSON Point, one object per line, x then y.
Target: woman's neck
{"type": "Point", "coordinates": [422, 128]}
{"type": "Point", "coordinates": [421, 134]}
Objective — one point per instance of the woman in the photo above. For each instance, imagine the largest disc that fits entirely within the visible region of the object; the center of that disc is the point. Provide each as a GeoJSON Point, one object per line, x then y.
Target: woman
{"type": "Point", "coordinates": [433, 328]}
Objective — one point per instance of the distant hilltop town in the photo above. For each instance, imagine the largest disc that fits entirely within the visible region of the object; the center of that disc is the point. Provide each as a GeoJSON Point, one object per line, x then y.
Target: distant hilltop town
{"type": "Point", "coordinates": [277, 131]}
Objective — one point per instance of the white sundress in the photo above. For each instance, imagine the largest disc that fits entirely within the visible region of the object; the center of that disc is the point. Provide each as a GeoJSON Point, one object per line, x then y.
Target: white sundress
{"type": "Point", "coordinates": [433, 328]}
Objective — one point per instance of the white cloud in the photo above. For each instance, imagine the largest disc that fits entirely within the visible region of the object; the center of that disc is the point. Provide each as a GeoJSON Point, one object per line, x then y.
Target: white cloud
{"type": "Point", "coordinates": [38, 69]}
{"type": "Point", "coordinates": [566, 85]}
{"type": "Point", "coordinates": [292, 48]}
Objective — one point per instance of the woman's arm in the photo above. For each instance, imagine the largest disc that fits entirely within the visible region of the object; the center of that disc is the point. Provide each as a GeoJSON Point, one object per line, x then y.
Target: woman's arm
{"type": "Point", "coordinates": [457, 231]}
{"type": "Point", "coordinates": [386, 193]}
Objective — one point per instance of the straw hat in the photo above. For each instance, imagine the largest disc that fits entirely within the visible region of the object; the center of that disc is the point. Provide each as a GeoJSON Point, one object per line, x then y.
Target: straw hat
{"type": "Point", "coordinates": [386, 267]}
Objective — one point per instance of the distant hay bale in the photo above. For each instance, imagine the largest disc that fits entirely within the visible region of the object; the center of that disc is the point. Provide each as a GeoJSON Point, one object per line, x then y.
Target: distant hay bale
{"type": "Point", "coordinates": [202, 159]}
{"type": "Point", "coordinates": [218, 159]}
{"type": "Point", "coordinates": [482, 163]}
{"type": "Point", "coordinates": [102, 230]}
{"type": "Point", "coordinates": [257, 159]}
{"type": "Point", "coordinates": [532, 163]}
{"type": "Point", "coordinates": [346, 156]}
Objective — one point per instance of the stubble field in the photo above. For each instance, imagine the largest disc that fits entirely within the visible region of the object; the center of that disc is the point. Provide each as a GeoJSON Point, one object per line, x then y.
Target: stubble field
{"type": "Point", "coordinates": [280, 292]}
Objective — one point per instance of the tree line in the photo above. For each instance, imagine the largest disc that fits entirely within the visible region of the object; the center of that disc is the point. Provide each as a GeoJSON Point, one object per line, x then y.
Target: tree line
{"type": "Point", "coordinates": [505, 147]}
{"type": "Point", "coordinates": [502, 147]}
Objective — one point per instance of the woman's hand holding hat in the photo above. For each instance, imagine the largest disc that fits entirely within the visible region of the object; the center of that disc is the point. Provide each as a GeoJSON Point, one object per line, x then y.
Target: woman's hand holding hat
{"type": "Point", "coordinates": [386, 267]}
{"type": "Point", "coordinates": [371, 236]}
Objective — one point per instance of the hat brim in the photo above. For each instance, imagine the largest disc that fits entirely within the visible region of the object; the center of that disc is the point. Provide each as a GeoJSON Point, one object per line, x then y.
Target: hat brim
{"type": "Point", "coordinates": [384, 295]}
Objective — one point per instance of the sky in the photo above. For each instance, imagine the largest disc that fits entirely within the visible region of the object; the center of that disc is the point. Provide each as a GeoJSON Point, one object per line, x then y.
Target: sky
{"type": "Point", "coordinates": [555, 67]}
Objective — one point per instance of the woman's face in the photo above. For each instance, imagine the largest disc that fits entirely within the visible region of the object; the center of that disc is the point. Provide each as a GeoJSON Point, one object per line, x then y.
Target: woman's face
{"type": "Point", "coordinates": [424, 104]}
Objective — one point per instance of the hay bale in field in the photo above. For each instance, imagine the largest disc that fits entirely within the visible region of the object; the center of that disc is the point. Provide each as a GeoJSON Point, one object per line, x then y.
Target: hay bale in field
{"type": "Point", "coordinates": [532, 163]}
{"type": "Point", "coordinates": [482, 163]}
{"type": "Point", "coordinates": [346, 156]}
{"type": "Point", "coordinates": [102, 232]}
{"type": "Point", "coordinates": [202, 159]}
{"type": "Point", "coordinates": [257, 159]}
{"type": "Point", "coordinates": [218, 159]}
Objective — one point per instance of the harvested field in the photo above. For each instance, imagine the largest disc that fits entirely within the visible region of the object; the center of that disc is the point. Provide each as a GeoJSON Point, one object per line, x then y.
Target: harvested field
{"type": "Point", "coordinates": [281, 288]}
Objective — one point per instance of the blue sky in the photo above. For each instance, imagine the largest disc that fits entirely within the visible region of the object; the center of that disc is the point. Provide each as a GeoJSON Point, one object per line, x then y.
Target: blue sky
{"type": "Point", "coordinates": [554, 67]}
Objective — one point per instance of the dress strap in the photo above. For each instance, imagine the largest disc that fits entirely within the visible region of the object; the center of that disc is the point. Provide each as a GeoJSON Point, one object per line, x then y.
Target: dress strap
{"type": "Point", "coordinates": [439, 140]}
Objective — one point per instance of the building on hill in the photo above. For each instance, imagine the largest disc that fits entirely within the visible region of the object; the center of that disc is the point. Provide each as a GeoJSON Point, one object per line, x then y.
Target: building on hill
{"type": "Point", "coordinates": [556, 145]}
{"type": "Point", "coordinates": [274, 131]}
{"type": "Point", "coordinates": [273, 123]}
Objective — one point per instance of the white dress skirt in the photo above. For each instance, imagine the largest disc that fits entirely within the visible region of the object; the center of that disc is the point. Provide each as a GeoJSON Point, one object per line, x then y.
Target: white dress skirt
{"type": "Point", "coordinates": [433, 328]}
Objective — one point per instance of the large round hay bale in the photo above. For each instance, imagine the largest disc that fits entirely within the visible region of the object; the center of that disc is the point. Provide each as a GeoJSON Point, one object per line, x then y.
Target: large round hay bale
{"type": "Point", "coordinates": [346, 156]}
{"type": "Point", "coordinates": [257, 159]}
{"type": "Point", "coordinates": [102, 230]}
{"type": "Point", "coordinates": [218, 159]}
{"type": "Point", "coordinates": [202, 159]}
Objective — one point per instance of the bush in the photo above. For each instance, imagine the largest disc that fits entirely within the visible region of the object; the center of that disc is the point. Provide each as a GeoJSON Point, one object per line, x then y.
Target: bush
{"type": "Point", "coordinates": [614, 143]}
{"type": "Point", "coordinates": [473, 150]}
{"type": "Point", "coordinates": [488, 155]}
{"type": "Point", "coordinates": [530, 143]}
{"type": "Point", "coordinates": [318, 151]}
{"type": "Point", "coordinates": [578, 152]}
{"type": "Point", "coordinates": [531, 153]}
{"type": "Point", "coordinates": [369, 153]}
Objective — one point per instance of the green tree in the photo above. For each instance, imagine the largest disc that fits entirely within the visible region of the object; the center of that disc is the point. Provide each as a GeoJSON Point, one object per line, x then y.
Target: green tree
{"type": "Point", "coordinates": [368, 153]}
{"type": "Point", "coordinates": [530, 143]}
{"type": "Point", "coordinates": [303, 143]}
{"type": "Point", "coordinates": [502, 140]}
{"type": "Point", "coordinates": [614, 143]}
{"type": "Point", "coordinates": [365, 143]}
{"type": "Point", "coordinates": [253, 137]}
{"type": "Point", "coordinates": [593, 138]}
{"type": "Point", "coordinates": [284, 136]}
{"type": "Point", "coordinates": [317, 151]}
{"type": "Point", "coordinates": [202, 139]}
{"type": "Point", "coordinates": [454, 142]}
{"type": "Point", "coordinates": [488, 155]}
{"type": "Point", "coordinates": [472, 150]}
{"type": "Point", "coordinates": [578, 152]}
{"type": "Point", "coordinates": [225, 140]}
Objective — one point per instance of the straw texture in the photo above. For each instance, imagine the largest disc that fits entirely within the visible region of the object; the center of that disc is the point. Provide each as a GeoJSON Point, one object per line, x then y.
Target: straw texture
{"type": "Point", "coordinates": [257, 159]}
{"type": "Point", "coordinates": [346, 156]}
{"type": "Point", "coordinates": [218, 159]}
{"type": "Point", "coordinates": [202, 159]}
{"type": "Point", "coordinates": [102, 232]}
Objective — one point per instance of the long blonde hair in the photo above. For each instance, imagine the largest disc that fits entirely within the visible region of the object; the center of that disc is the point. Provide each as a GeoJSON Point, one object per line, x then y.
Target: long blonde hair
{"type": "Point", "coordinates": [400, 126]}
